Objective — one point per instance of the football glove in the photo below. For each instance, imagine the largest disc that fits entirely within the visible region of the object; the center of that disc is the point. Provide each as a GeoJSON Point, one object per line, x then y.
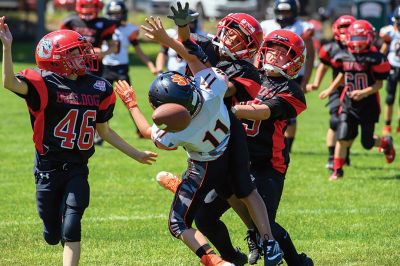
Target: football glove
{"type": "Point", "coordinates": [182, 17]}
{"type": "Point", "coordinates": [196, 50]}
{"type": "Point", "coordinates": [126, 93]}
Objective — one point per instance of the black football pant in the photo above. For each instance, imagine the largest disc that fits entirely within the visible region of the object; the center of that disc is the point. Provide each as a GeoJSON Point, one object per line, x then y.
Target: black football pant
{"type": "Point", "coordinates": [391, 85]}
{"type": "Point", "coordinates": [348, 130]}
{"type": "Point", "coordinates": [62, 195]}
{"type": "Point", "coordinates": [269, 184]}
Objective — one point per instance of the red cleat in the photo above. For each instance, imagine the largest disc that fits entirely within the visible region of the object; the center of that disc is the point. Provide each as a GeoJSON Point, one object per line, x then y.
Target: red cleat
{"type": "Point", "coordinates": [168, 181]}
{"type": "Point", "coordinates": [388, 149]}
{"type": "Point", "coordinates": [214, 260]}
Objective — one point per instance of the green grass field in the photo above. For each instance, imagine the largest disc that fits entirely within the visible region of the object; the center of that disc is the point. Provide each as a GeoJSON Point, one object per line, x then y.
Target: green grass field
{"type": "Point", "coordinates": [351, 222]}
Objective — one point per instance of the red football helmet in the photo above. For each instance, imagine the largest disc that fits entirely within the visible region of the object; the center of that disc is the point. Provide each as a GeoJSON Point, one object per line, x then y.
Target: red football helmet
{"type": "Point", "coordinates": [282, 52]}
{"type": "Point", "coordinates": [360, 36]}
{"type": "Point", "coordinates": [66, 52]}
{"type": "Point", "coordinates": [88, 9]}
{"type": "Point", "coordinates": [339, 27]}
{"type": "Point", "coordinates": [239, 36]}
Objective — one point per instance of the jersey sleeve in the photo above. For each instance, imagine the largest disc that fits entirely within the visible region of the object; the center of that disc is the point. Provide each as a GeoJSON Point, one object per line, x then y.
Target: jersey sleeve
{"type": "Point", "coordinates": [386, 34]}
{"type": "Point", "coordinates": [108, 31]}
{"type": "Point", "coordinates": [66, 24]}
{"type": "Point", "coordinates": [286, 105]}
{"type": "Point", "coordinates": [381, 69]}
{"type": "Point", "coordinates": [247, 82]}
{"type": "Point", "coordinates": [107, 104]}
{"type": "Point", "coordinates": [324, 56]}
{"type": "Point", "coordinates": [165, 138]}
{"type": "Point", "coordinates": [308, 31]}
{"type": "Point", "coordinates": [133, 35]}
{"type": "Point", "coordinates": [37, 89]}
{"type": "Point", "coordinates": [212, 79]}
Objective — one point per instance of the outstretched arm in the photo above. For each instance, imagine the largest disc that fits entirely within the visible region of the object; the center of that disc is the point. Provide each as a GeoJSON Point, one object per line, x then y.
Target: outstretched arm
{"type": "Point", "coordinates": [127, 95]}
{"type": "Point", "coordinates": [335, 84]}
{"type": "Point", "coordinates": [155, 31]}
{"type": "Point", "coordinates": [10, 82]}
{"type": "Point", "coordinates": [182, 18]}
{"type": "Point", "coordinates": [109, 135]}
{"type": "Point", "coordinates": [321, 71]}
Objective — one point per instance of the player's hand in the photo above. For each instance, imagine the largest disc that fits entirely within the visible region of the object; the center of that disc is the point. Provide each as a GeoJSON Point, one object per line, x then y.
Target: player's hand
{"type": "Point", "coordinates": [5, 33]}
{"type": "Point", "coordinates": [324, 94]}
{"type": "Point", "coordinates": [357, 95]}
{"type": "Point", "coordinates": [155, 30]}
{"type": "Point", "coordinates": [311, 87]}
{"type": "Point", "coordinates": [182, 17]}
{"type": "Point", "coordinates": [196, 50]}
{"type": "Point", "coordinates": [126, 93]}
{"type": "Point", "coordinates": [146, 157]}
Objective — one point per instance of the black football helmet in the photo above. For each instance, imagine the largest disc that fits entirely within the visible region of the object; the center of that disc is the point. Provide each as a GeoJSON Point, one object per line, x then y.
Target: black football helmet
{"type": "Point", "coordinates": [286, 12]}
{"type": "Point", "coordinates": [117, 10]}
{"type": "Point", "coordinates": [396, 16]}
{"type": "Point", "coordinates": [173, 87]}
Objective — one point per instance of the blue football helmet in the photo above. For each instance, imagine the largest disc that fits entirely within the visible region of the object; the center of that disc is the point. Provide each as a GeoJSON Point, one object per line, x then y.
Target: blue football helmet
{"type": "Point", "coordinates": [286, 12]}
{"type": "Point", "coordinates": [173, 87]}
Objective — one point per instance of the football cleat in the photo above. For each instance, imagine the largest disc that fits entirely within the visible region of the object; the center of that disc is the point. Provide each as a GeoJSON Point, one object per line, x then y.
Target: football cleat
{"type": "Point", "coordinates": [305, 260]}
{"type": "Point", "coordinates": [336, 175]}
{"type": "Point", "coordinates": [388, 149]}
{"type": "Point", "coordinates": [214, 260]}
{"type": "Point", "coordinates": [239, 259]}
{"type": "Point", "coordinates": [168, 181]}
{"type": "Point", "coordinates": [255, 249]}
{"type": "Point", "coordinates": [386, 130]}
{"type": "Point", "coordinates": [273, 253]}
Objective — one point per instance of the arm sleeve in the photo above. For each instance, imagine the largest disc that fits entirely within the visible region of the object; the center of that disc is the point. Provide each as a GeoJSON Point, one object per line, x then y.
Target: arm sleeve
{"type": "Point", "coordinates": [106, 107]}
{"type": "Point", "coordinates": [212, 79]}
{"type": "Point", "coordinates": [247, 83]}
{"type": "Point", "coordinates": [163, 137]}
{"type": "Point", "coordinates": [324, 56]}
{"type": "Point", "coordinates": [33, 98]}
{"type": "Point", "coordinates": [285, 105]}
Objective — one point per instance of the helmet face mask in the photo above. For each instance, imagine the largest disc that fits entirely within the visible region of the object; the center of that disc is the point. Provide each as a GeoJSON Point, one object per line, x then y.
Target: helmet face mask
{"type": "Point", "coordinates": [239, 36]}
{"type": "Point", "coordinates": [286, 12]}
{"type": "Point", "coordinates": [173, 87]}
{"type": "Point", "coordinates": [117, 10]}
{"type": "Point", "coordinates": [283, 52]}
{"type": "Point", "coordinates": [66, 52]}
{"type": "Point", "coordinates": [88, 9]}
{"type": "Point", "coordinates": [360, 36]}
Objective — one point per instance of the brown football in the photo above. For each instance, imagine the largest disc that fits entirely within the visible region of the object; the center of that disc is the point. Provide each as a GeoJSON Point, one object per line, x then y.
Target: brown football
{"type": "Point", "coordinates": [171, 117]}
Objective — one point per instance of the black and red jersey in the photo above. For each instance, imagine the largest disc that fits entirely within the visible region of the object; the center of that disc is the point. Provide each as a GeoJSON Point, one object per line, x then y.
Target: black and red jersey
{"type": "Point", "coordinates": [361, 71]}
{"type": "Point", "coordinates": [326, 54]}
{"type": "Point", "coordinates": [64, 113]}
{"type": "Point", "coordinates": [243, 74]}
{"type": "Point", "coordinates": [265, 138]}
{"type": "Point", "coordinates": [95, 31]}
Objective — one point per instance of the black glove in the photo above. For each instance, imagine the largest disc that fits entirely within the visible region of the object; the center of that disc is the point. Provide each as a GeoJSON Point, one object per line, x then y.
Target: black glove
{"type": "Point", "coordinates": [196, 50]}
{"type": "Point", "coordinates": [182, 17]}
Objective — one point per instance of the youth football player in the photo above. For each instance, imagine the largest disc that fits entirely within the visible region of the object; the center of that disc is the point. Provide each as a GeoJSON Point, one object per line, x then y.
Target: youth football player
{"type": "Point", "coordinates": [66, 105]}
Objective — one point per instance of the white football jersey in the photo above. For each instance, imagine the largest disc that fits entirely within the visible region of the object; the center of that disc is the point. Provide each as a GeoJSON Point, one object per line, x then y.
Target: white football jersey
{"type": "Point", "coordinates": [121, 35]}
{"type": "Point", "coordinates": [299, 27]}
{"type": "Point", "coordinates": [175, 63]}
{"type": "Point", "coordinates": [207, 136]}
{"type": "Point", "coordinates": [394, 49]}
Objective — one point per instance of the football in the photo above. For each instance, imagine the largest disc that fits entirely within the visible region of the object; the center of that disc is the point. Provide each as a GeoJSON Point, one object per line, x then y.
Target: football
{"type": "Point", "coordinates": [171, 117]}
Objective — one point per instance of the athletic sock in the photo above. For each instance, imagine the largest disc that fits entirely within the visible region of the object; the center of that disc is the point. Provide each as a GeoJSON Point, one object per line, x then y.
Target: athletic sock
{"type": "Point", "coordinates": [204, 250]}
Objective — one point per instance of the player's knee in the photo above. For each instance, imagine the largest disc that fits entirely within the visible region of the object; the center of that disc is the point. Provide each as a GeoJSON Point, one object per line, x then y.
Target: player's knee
{"type": "Point", "coordinates": [368, 143]}
{"type": "Point", "coordinates": [72, 224]}
{"type": "Point", "coordinates": [51, 238]}
{"type": "Point", "coordinates": [389, 99]}
{"type": "Point", "coordinates": [176, 225]}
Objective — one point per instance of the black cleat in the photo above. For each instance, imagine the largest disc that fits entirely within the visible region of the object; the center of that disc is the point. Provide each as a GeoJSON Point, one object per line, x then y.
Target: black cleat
{"type": "Point", "coordinates": [305, 261]}
{"type": "Point", "coordinates": [273, 254]}
{"type": "Point", "coordinates": [239, 258]}
{"type": "Point", "coordinates": [255, 249]}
